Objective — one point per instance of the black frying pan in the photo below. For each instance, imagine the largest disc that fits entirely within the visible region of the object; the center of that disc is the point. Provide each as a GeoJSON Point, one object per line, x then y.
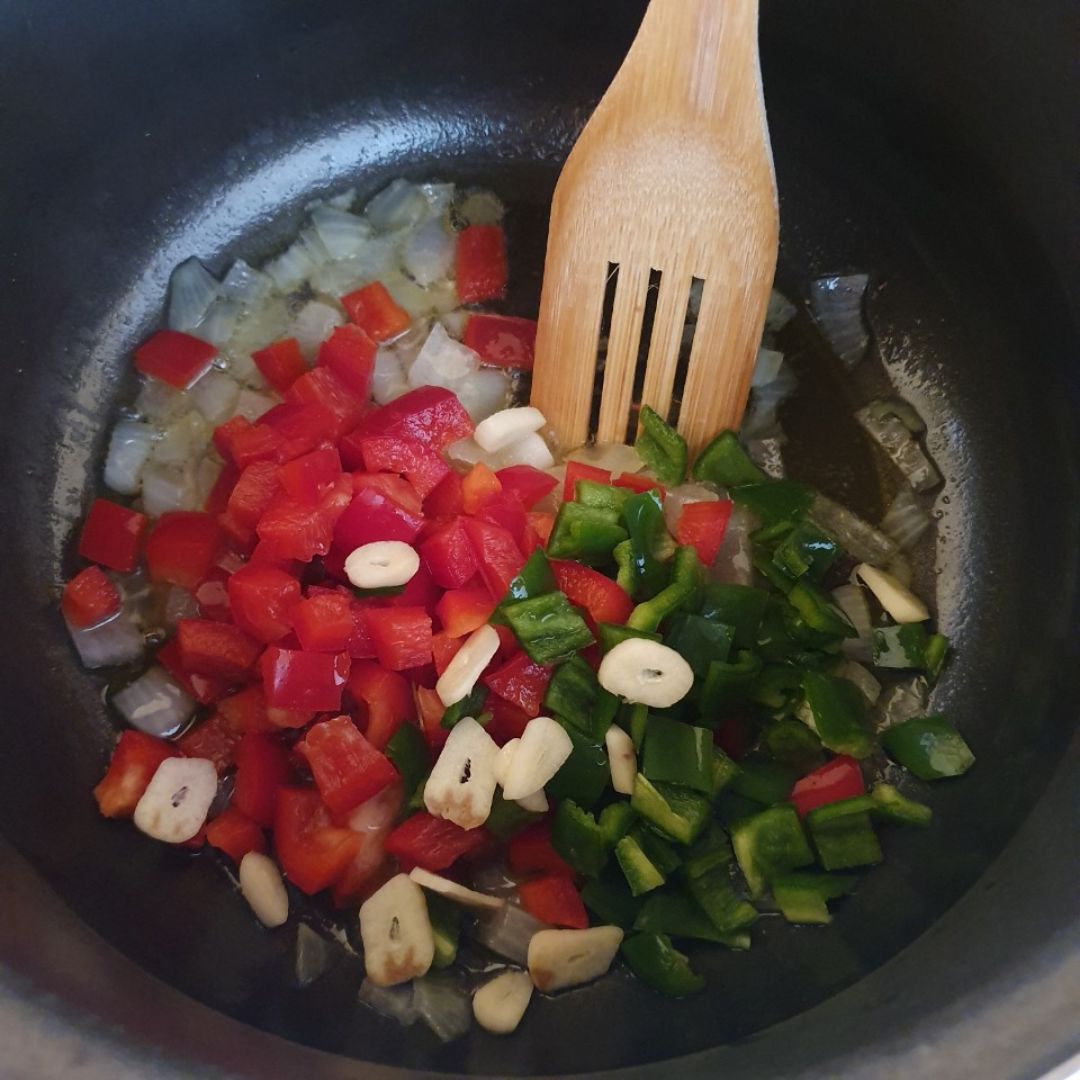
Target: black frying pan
{"type": "Point", "coordinates": [928, 143]}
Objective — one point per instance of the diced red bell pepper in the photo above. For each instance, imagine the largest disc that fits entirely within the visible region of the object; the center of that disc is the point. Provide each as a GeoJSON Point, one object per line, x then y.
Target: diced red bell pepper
{"type": "Point", "coordinates": [419, 464]}
{"type": "Point", "coordinates": [443, 649]}
{"type": "Point", "coordinates": [420, 592]}
{"type": "Point", "coordinates": [360, 646]}
{"type": "Point", "coordinates": [218, 499]}
{"type": "Point", "coordinates": [392, 486]}
{"type": "Point", "coordinates": [134, 761]}
{"type": "Point", "coordinates": [257, 485]}
{"type": "Point", "coordinates": [262, 769]}
{"type": "Point", "coordinates": [526, 484]}
{"type": "Point", "coordinates": [262, 599]}
{"type": "Point", "coordinates": [507, 513]}
{"type": "Point", "coordinates": [542, 523]}
{"type": "Point", "coordinates": [111, 535]}
{"type": "Point", "coordinates": [225, 436]}
{"type": "Point", "coordinates": [386, 698]}
{"type": "Point", "coordinates": [213, 739]}
{"type": "Point", "coordinates": [431, 842]}
{"type": "Point", "coordinates": [365, 875]}
{"type": "Point", "coordinates": [702, 526]}
{"type": "Point", "coordinates": [445, 500]}
{"type": "Point", "coordinates": [348, 770]}
{"type": "Point", "coordinates": [212, 596]}
{"type": "Point", "coordinates": [578, 470]}
{"type": "Point", "coordinates": [245, 711]}
{"type": "Point", "coordinates": [402, 637]}
{"type": "Point", "coordinates": [497, 555]}
{"type": "Point", "coordinates": [248, 443]}
{"type": "Point", "coordinates": [313, 852]}
{"type": "Point", "coordinates": [294, 679]}
{"type": "Point", "coordinates": [603, 599]}
{"type": "Point", "coordinates": [205, 689]}
{"type": "Point", "coordinates": [508, 721]}
{"type": "Point", "coordinates": [480, 263]}
{"type": "Point", "coordinates": [838, 779]}
{"type": "Point", "coordinates": [553, 900]}
{"type": "Point", "coordinates": [300, 425]}
{"type": "Point", "coordinates": [448, 554]}
{"type": "Point", "coordinates": [281, 363]}
{"type": "Point", "coordinates": [376, 312]}
{"type": "Point", "coordinates": [521, 681]}
{"type": "Point", "coordinates": [322, 386]}
{"type": "Point", "coordinates": [429, 711]}
{"type": "Point", "coordinates": [638, 483]}
{"type": "Point", "coordinates": [220, 650]}
{"type": "Point", "coordinates": [182, 548]}
{"type": "Point", "coordinates": [295, 529]}
{"type": "Point", "coordinates": [531, 852]}
{"type": "Point", "coordinates": [306, 478]}
{"type": "Point", "coordinates": [233, 832]}
{"type": "Point", "coordinates": [324, 622]}
{"type": "Point", "coordinates": [478, 487]}
{"type": "Point", "coordinates": [502, 340]}
{"type": "Point", "coordinates": [350, 354]}
{"type": "Point", "coordinates": [373, 516]}
{"type": "Point", "coordinates": [430, 415]}
{"type": "Point", "coordinates": [461, 611]}
{"type": "Point", "coordinates": [91, 597]}
{"type": "Point", "coordinates": [176, 358]}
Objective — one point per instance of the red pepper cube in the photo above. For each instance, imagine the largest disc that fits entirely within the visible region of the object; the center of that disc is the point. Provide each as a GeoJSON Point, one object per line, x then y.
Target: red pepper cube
{"type": "Point", "coordinates": [111, 535]}
{"type": "Point", "coordinates": [360, 646]}
{"type": "Point", "coordinates": [262, 769]}
{"type": "Point", "coordinates": [461, 611]}
{"type": "Point", "coordinates": [386, 698]}
{"type": "Point", "coordinates": [313, 852]}
{"type": "Point", "coordinates": [176, 358]}
{"type": "Point", "coordinates": [520, 681]}
{"type": "Point", "coordinates": [432, 843]}
{"type": "Point", "coordinates": [373, 516]}
{"type": "Point", "coordinates": [502, 340]}
{"type": "Point", "coordinates": [213, 739]}
{"type": "Point", "coordinates": [324, 622]}
{"type": "Point", "coordinates": [448, 554]}
{"type": "Point", "coordinates": [350, 354]}
{"type": "Point", "coordinates": [298, 427]}
{"type": "Point", "coordinates": [347, 769]}
{"type": "Point", "coordinates": [306, 478]}
{"type": "Point", "coordinates": [508, 514]}
{"type": "Point", "coordinates": [497, 554]}
{"type": "Point", "coordinates": [541, 524]}
{"type": "Point", "coordinates": [702, 525]}
{"type": "Point", "coordinates": [233, 832]}
{"type": "Point", "coordinates": [445, 500]}
{"type": "Point", "coordinates": [254, 490]}
{"type": "Point", "coordinates": [526, 484]}
{"type": "Point", "coordinates": [281, 363]}
{"type": "Point", "coordinates": [531, 851]}
{"type": "Point", "coordinates": [294, 679]}
{"type": "Point", "coordinates": [508, 721]}
{"type": "Point", "coordinates": [443, 649]}
{"type": "Point", "coordinates": [638, 484]}
{"type": "Point", "coordinates": [220, 650]}
{"type": "Point", "coordinates": [258, 442]}
{"type": "Point", "coordinates": [393, 487]}
{"type": "Point", "coordinates": [402, 637]}
{"type": "Point", "coordinates": [419, 464]}
{"type": "Point", "coordinates": [262, 599]}
{"type": "Point", "coordinates": [298, 530]}
{"type": "Point", "coordinates": [134, 761]}
{"type": "Point", "coordinates": [478, 487]}
{"type": "Point", "coordinates": [603, 599]}
{"type": "Point", "coordinates": [480, 263]}
{"type": "Point", "coordinates": [838, 779]}
{"type": "Point", "coordinates": [578, 470]}
{"type": "Point", "coordinates": [376, 312]}
{"type": "Point", "coordinates": [419, 592]}
{"type": "Point", "coordinates": [218, 500]}
{"type": "Point", "coordinates": [430, 415]}
{"type": "Point", "coordinates": [322, 387]}
{"type": "Point", "coordinates": [554, 900]}
{"type": "Point", "coordinates": [182, 548]}
{"type": "Point", "coordinates": [90, 598]}
{"type": "Point", "coordinates": [205, 689]}
{"type": "Point", "coordinates": [245, 711]}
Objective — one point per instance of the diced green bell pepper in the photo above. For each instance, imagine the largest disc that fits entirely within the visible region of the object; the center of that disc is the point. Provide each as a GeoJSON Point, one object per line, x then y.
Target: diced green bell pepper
{"type": "Point", "coordinates": [643, 518]}
{"type": "Point", "coordinates": [710, 851]}
{"type": "Point", "coordinates": [507, 817]}
{"type": "Point", "coordinates": [585, 533]}
{"type": "Point", "coordinates": [802, 898]}
{"type": "Point", "coordinates": [766, 782]}
{"type": "Point", "coordinates": [839, 714]}
{"type": "Point", "coordinates": [686, 577]}
{"type": "Point", "coordinates": [727, 683]}
{"type": "Point", "coordinates": [714, 892]}
{"type": "Point", "coordinates": [843, 834]}
{"type": "Point", "coordinates": [776, 577]}
{"type": "Point", "coordinates": [676, 812]}
{"type": "Point", "coordinates": [534, 579]}
{"type": "Point", "coordinates": [890, 805]}
{"type": "Point", "coordinates": [679, 754]}
{"type": "Point", "coordinates": [661, 447]}
{"type": "Point", "coordinates": [726, 463]}
{"type": "Point", "coordinates": [818, 610]}
{"type": "Point", "coordinates": [724, 770]}
{"type": "Point", "coordinates": [698, 641]}
{"type": "Point", "coordinates": [548, 628]}
{"type": "Point", "coordinates": [777, 687]}
{"type": "Point", "coordinates": [908, 645]}
{"type": "Point", "coordinates": [770, 844]}
{"type": "Point", "coordinates": [623, 554]}
{"type": "Point", "coordinates": [472, 704]}
{"type": "Point", "coordinates": [657, 850]}
{"type": "Point", "coordinates": [575, 694]}
{"type": "Point", "coordinates": [792, 743]}
{"type": "Point", "coordinates": [610, 634]}
{"type": "Point", "coordinates": [774, 500]}
{"type": "Point", "coordinates": [641, 874]}
{"type": "Point", "coordinates": [657, 963]}
{"type": "Point", "coordinates": [409, 754]}
{"type": "Point", "coordinates": [601, 496]}
{"type": "Point", "coordinates": [670, 911]}
{"type": "Point", "coordinates": [608, 897]}
{"type": "Point", "coordinates": [585, 773]}
{"type": "Point", "coordinates": [738, 606]}
{"type": "Point", "coordinates": [929, 746]}
{"type": "Point", "coordinates": [578, 838]}
{"type": "Point", "coordinates": [806, 550]}
{"type": "Point", "coordinates": [634, 719]}
{"type": "Point", "coordinates": [615, 821]}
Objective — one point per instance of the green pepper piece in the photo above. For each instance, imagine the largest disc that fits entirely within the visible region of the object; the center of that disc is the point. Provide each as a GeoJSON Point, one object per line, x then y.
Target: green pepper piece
{"type": "Point", "coordinates": [601, 496]}
{"type": "Point", "coordinates": [610, 634]}
{"type": "Point", "coordinates": [792, 743]}
{"type": "Point", "coordinates": [669, 911]}
{"type": "Point", "coordinates": [623, 555]}
{"type": "Point", "coordinates": [724, 770]}
{"type": "Point", "coordinates": [698, 641]}
{"type": "Point", "coordinates": [776, 577]}
{"type": "Point", "coordinates": [643, 517]}
{"type": "Point", "coordinates": [929, 746]}
{"type": "Point", "coordinates": [710, 851]}
{"type": "Point", "coordinates": [715, 894]}
{"type": "Point", "coordinates": [445, 919]}
{"type": "Point", "coordinates": [819, 611]}
{"type": "Point", "coordinates": [679, 754]}
{"type": "Point", "coordinates": [577, 837]}
{"type": "Point", "coordinates": [585, 533]}
{"type": "Point", "coordinates": [661, 447]}
{"type": "Point", "coordinates": [774, 500]}
{"type": "Point", "coordinates": [534, 579]}
{"type": "Point", "coordinates": [843, 834]}
{"type": "Point", "coordinates": [657, 850]}
{"type": "Point", "coordinates": [641, 874]}
{"type": "Point", "coordinates": [769, 844]}
{"type": "Point", "coordinates": [738, 606]}
{"type": "Point", "coordinates": [615, 822]}
{"type": "Point", "coordinates": [472, 704]}
{"type": "Point", "coordinates": [766, 782]}
{"type": "Point", "coordinates": [777, 687]}
{"type": "Point", "coordinates": [409, 754]}
{"type": "Point", "coordinates": [890, 805]}
{"type": "Point", "coordinates": [726, 463]}
{"type": "Point", "coordinates": [936, 652]}
{"type": "Point", "coordinates": [657, 963]}
{"type": "Point", "coordinates": [806, 550]}
{"type": "Point", "coordinates": [900, 647]}
{"type": "Point", "coordinates": [802, 897]}
{"type": "Point", "coordinates": [548, 628]}
{"type": "Point", "coordinates": [507, 817]}
{"type": "Point", "coordinates": [727, 684]}
{"type": "Point", "coordinates": [609, 898]}
{"type": "Point", "coordinates": [636, 723]}
{"type": "Point", "coordinates": [839, 714]}
{"type": "Point", "coordinates": [686, 577]}
{"type": "Point", "coordinates": [575, 694]}
{"type": "Point", "coordinates": [585, 773]}
{"type": "Point", "coordinates": [676, 812]}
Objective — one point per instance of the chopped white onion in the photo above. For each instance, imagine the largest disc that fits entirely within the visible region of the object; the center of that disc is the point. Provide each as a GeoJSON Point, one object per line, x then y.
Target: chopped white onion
{"type": "Point", "coordinates": [251, 404]}
{"type": "Point", "coordinates": [416, 300]}
{"type": "Point", "coordinates": [399, 205]}
{"type": "Point", "coordinates": [374, 261]}
{"type": "Point", "coordinates": [155, 703]}
{"type": "Point", "coordinates": [439, 197]}
{"type": "Point", "coordinates": [779, 312]}
{"type": "Point", "coordinates": [116, 641]}
{"type": "Point", "coordinates": [393, 1002]}
{"type": "Point", "coordinates": [455, 321]}
{"type": "Point", "coordinates": [494, 880]}
{"type": "Point", "coordinates": [901, 702]}
{"type": "Point", "coordinates": [388, 376]}
{"type": "Point", "coordinates": [313, 246]}
{"type": "Point", "coordinates": [215, 396]}
{"type": "Point", "coordinates": [246, 285]}
{"type": "Point", "coordinates": [179, 604]}
{"type": "Point", "coordinates": [291, 268]}
{"type": "Point", "coordinates": [160, 402]}
{"type": "Point", "coordinates": [342, 234]}
{"type": "Point", "coordinates": [192, 289]}
{"type": "Point", "coordinates": [857, 537]}
{"type": "Point", "coordinates": [733, 564]}
{"type": "Point", "coordinates": [182, 440]}
{"type": "Point", "coordinates": [767, 367]}
{"type": "Point", "coordinates": [444, 1005]}
{"type": "Point", "coordinates": [428, 255]}
{"type": "Point", "coordinates": [467, 452]}
{"type": "Point", "coordinates": [837, 306]}
{"type": "Point", "coordinates": [768, 456]}
{"type": "Point", "coordinates": [206, 476]}
{"type": "Point", "coordinates": [866, 684]}
{"type": "Point", "coordinates": [905, 521]}
{"type": "Point", "coordinates": [313, 324]}
{"type": "Point", "coordinates": [443, 361]}
{"type": "Point", "coordinates": [851, 600]}
{"type": "Point", "coordinates": [508, 931]}
{"type": "Point", "coordinates": [617, 458]}
{"type": "Point", "coordinates": [166, 488]}
{"type": "Point", "coordinates": [761, 420]}
{"type": "Point", "coordinates": [530, 450]}
{"type": "Point", "coordinates": [343, 200]}
{"type": "Point", "coordinates": [129, 449]}
{"type": "Point", "coordinates": [894, 437]}
{"type": "Point", "coordinates": [481, 208]}
{"type": "Point", "coordinates": [314, 955]}
{"type": "Point", "coordinates": [486, 392]}
{"type": "Point", "coordinates": [219, 323]}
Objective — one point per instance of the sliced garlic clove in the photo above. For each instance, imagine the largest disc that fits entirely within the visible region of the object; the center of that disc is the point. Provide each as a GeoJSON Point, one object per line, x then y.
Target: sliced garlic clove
{"type": "Point", "coordinates": [462, 783]}
{"type": "Point", "coordinates": [544, 748]}
{"type": "Point", "coordinates": [453, 891]}
{"type": "Point", "coordinates": [503, 759]}
{"type": "Point", "coordinates": [559, 959]}
{"type": "Point", "coordinates": [396, 931]}
{"type": "Point", "coordinates": [646, 673]}
{"type": "Point", "coordinates": [622, 759]}
{"type": "Point", "coordinates": [899, 602]}
{"type": "Point", "coordinates": [500, 1003]}
{"type": "Point", "coordinates": [263, 888]}
{"type": "Point", "coordinates": [467, 665]}
{"type": "Point", "coordinates": [384, 564]}
{"type": "Point", "coordinates": [532, 450]}
{"type": "Point", "coordinates": [508, 426]}
{"type": "Point", "coordinates": [175, 803]}
{"type": "Point", "coordinates": [536, 803]}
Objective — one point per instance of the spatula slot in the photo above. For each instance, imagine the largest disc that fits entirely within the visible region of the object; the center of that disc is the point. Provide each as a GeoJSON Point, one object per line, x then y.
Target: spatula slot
{"type": "Point", "coordinates": [683, 365]}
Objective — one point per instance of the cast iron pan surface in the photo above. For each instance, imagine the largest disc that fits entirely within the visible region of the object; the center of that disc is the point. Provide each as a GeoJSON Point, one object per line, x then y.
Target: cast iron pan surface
{"type": "Point", "coordinates": [137, 135]}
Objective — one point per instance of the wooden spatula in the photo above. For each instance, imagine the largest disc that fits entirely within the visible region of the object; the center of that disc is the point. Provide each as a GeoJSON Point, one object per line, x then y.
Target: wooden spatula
{"type": "Point", "coordinates": [673, 173]}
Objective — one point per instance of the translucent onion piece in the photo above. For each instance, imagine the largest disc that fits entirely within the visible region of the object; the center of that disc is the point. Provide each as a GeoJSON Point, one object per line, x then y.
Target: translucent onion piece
{"type": "Point", "coordinates": [530, 450]}
{"type": "Point", "coordinates": [182, 440]}
{"type": "Point", "coordinates": [486, 392]}
{"type": "Point", "coordinates": [129, 449]}
{"type": "Point", "coordinates": [291, 268]}
{"type": "Point", "coordinates": [155, 703]}
{"type": "Point", "coordinates": [428, 255]}
{"type": "Point", "coordinates": [388, 376]}
{"type": "Point", "coordinates": [393, 1002]}
{"type": "Point", "coordinates": [768, 455]}
{"type": "Point", "coordinates": [342, 234]}
{"type": "Point", "coordinates": [779, 312]}
{"type": "Point", "coordinates": [314, 955]}
{"type": "Point", "coordinates": [439, 197]}
{"type": "Point", "coordinates": [615, 457]}
{"type": "Point", "coordinates": [905, 521]}
{"type": "Point", "coordinates": [444, 1005]}
{"type": "Point", "coordinates": [161, 403]}
{"type": "Point", "coordinates": [167, 488]}
{"type": "Point", "coordinates": [219, 323]}
{"type": "Point", "coordinates": [192, 289]}
{"type": "Point", "coordinates": [206, 475]}
{"type": "Point", "coordinates": [866, 684]}
{"type": "Point", "coordinates": [507, 932]}
{"type": "Point", "coordinates": [117, 641]}
{"type": "Point", "coordinates": [893, 436]}
{"type": "Point", "coordinates": [251, 404]}
{"type": "Point", "coordinates": [859, 538]}
{"type": "Point", "coordinates": [480, 208]}
{"type": "Point", "coordinates": [494, 880]}
{"type": "Point", "coordinates": [901, 702]}
{"type": "Point", "coordinates": [837, 306]}
{"type": "Point", "coordinates": [399, 205]}
{"type": "Point", "coordinates": [761, 421]}
{"type": "Point", "coordinates": [852, 601]}
{"type": "Point", "coordinates": [455, 321]}
{"type": "Point", "coordinates": [343, 200]}
{"type": "Point", "coordinates": [215, 396]}
{"type": "Point", "coordinates": [245, 285]}
{"type": "Point", "coordinates": [443, 361]}
{"type": "Point", "coordinates": [767, 367]}
{"type": "Point", "coordinates": [376, 260]}
{"type": "Point", "coordinates": [733, 564]}
{"type": "Point", "coordinates": [313, 324]}
{"type": "Point", "coordinates": [179, 604]}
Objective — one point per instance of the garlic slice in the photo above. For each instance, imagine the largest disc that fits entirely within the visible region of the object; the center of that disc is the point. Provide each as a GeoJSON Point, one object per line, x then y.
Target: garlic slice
{"type": "Point", "coordinates": [622, 759]}
{"type": "Point", "coordinates": [396, 930]}
{"type": "Point", "coordinates": [384, 564]}
{"type": "Point", "coordinates": [175, 803]}
{"type": "Point", "coordinates": [501, 1002]}
{"type": "Point", "coordinates": [462, 783]}
{"type": "Point", "coordinates": [508, 426]}
{"type": "Point", "coordinates": [543, 749]}
{"type": "Point", "coordinates": [559, 959]}
{"type": "Point", "coordinates": [467, 665]}
{"type": "Point", "coordinates": [646, 672]}
{"type": "Point", "coordinates": [899, 602]}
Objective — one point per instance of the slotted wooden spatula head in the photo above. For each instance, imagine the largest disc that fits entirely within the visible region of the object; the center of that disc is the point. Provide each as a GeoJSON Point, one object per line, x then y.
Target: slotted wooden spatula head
{"type": "Point", "coordinates": [672, 178]}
